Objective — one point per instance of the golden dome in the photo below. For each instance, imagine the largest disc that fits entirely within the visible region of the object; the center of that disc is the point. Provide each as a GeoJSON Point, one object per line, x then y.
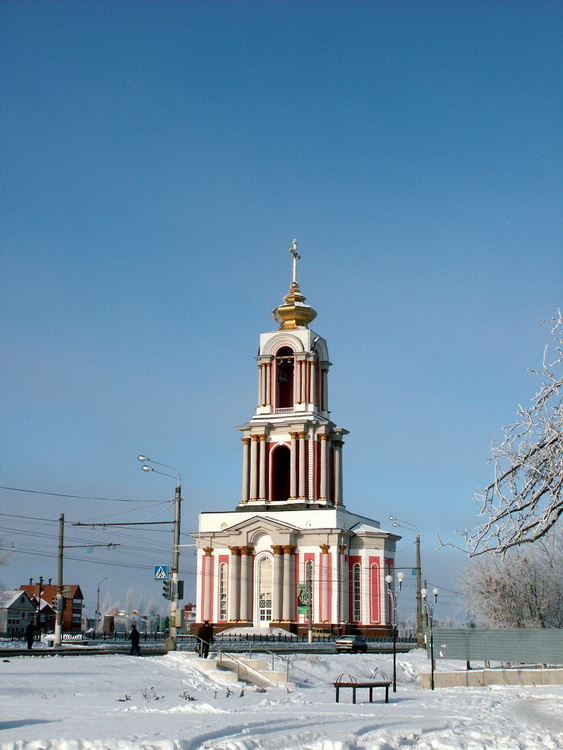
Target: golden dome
{"type": "Point", "coordinates": [293, 313]}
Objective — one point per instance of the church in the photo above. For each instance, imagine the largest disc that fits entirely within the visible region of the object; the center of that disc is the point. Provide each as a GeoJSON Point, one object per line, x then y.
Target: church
{"type": "Point", "coordinates": [291, 555]}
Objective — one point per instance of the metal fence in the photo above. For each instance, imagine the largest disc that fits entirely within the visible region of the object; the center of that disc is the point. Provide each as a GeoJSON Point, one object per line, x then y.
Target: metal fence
{"type": "Point", "coordinates": [520, 646]}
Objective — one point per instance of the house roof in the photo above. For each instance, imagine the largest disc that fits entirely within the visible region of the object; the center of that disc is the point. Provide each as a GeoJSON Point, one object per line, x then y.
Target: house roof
{"type": "Point", "coordinates": [8, 597]}
{"type": "Point", "coordinates": [50, 590]}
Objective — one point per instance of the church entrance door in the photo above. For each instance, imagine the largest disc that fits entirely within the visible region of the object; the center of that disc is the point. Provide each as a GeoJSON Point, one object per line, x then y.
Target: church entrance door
{"type": "Point", "coordinates": [265, 592]}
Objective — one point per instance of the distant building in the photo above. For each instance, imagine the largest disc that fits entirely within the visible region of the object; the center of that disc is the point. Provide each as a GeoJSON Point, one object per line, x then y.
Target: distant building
{"type": "Point", "coordinates": [291, 553]}
{"type": "Point", "coordinates": [73, 602]}
{"type": "Point", "coordinates": [16, 612]}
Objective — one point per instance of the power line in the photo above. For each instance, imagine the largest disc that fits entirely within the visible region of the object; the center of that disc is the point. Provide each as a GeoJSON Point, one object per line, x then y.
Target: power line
{"type": "Point", "coordinates": [75, 497]}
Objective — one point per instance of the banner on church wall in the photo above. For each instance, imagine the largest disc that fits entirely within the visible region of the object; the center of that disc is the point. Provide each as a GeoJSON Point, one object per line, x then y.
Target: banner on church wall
{"type": "Point", "coordinates": [301, 598]}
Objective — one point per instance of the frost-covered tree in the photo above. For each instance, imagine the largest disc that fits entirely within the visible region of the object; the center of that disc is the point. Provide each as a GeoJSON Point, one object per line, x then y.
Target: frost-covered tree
{"type": "Point", "coordinates": [521, 589]}
{"type": "Point", "coordinates": [525, 499]}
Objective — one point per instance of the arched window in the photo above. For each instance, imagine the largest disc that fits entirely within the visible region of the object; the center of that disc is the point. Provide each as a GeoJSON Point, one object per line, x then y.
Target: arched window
{"type": "Point", "coordinates": [284, 377]}
{"type": "Point", "coordinates": [223, 593]}
{"type": "Point", "coordinates": [265, 588]}
{"type": "Point", "coordinates": [281, 461]}
{"type": "Point", "coordinates": [357, 593]}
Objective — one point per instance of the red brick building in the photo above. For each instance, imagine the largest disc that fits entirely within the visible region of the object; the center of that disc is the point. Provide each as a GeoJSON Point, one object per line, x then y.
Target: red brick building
{"type": "Point", "coordinates": [73, 602]}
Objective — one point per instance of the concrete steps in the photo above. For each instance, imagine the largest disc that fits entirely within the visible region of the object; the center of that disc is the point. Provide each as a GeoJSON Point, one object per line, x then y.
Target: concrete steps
{"type": "Point", "coordinates": [226, 668]}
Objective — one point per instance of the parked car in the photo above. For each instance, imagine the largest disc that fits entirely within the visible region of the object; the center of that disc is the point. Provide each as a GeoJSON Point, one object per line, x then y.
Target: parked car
{"type": "Point", "coordinates": [351, 644]}
{"type": "Point", "coordinates": [321, 633]}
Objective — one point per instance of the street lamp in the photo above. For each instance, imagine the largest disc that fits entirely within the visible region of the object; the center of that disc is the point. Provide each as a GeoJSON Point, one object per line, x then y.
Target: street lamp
{"type": "Point", "coordinates": [418, 568]}
{"type": "Point", "coordinates": [174, 611]}
{"type": "Point", "coordinates": [429, 606]}
{"type": "Point", "coordinates": [97, 628]}
{"type": "Point", "coordinates": [394, 597]}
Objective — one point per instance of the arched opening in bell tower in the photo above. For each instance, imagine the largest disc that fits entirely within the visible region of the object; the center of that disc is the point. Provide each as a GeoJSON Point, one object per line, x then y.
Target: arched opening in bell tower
{"type": "Point", "coordinates": [281, 462]}
{"type": "Point", "coordinates": [284, 377]}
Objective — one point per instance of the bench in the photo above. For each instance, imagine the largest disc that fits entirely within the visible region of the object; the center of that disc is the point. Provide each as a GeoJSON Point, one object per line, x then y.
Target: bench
{"type": "Point", "coordinates": [369, 685]}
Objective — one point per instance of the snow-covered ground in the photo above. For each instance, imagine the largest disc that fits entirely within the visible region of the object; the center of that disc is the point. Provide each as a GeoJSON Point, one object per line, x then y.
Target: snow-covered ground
{"type": "Point", "coordinates": [166, 703]}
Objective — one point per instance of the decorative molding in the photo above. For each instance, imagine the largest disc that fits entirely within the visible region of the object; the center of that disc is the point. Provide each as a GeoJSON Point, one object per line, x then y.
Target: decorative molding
{"type": "Point", "coordinates": [247, 550]}
{"type": "Point", "coordinates": [208, 551]}
{"type": "Point", "coordinates": [289, 549]}
{"type": "Point", "coordinates": [277, 549]}
{"type": "Point", "coordinates": [235, 551]}
{"type": "Point", "coordinates": [324, 548]}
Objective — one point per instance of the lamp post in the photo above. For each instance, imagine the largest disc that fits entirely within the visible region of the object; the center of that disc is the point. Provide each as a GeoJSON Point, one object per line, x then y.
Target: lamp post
{"type": "Point", "coordinates": [174, 610]}
{"type": "Point", "coordinates": [394, 597]}
{"type": "Point", "coordinates": [418, 568]}
{"type": "Point", "coordinates": [429, 606]}
{"type": "Point", "coordinates": [97, 628]}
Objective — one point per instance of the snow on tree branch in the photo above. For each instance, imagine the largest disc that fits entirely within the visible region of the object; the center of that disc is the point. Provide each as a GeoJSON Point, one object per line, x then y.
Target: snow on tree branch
{"type": "Point", "coordinates": [525, 499]}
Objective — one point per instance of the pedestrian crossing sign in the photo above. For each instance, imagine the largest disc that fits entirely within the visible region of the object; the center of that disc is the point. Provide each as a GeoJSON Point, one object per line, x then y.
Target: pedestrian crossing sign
{"type": "Point", "coordinates": [161, 572]}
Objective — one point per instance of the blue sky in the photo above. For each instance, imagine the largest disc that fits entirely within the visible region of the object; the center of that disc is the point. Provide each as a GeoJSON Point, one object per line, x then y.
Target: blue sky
{"type": "Point", "coordinates": [158, 158]}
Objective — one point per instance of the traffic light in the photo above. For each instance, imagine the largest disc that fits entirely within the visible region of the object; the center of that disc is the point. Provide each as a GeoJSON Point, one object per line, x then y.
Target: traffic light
{"type": "Point", "coordinates": [166, 589]}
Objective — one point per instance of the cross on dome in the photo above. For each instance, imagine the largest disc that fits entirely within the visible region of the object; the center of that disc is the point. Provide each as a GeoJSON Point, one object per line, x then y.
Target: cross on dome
{"type": "Point", "coordinates": [294, 313]}
{"type": "Point", "coordinates": [296, 257]}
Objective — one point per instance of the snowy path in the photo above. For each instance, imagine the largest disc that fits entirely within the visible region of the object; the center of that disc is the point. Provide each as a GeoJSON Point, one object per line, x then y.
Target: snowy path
{"type": "Point", "coordinates": [164, 703]}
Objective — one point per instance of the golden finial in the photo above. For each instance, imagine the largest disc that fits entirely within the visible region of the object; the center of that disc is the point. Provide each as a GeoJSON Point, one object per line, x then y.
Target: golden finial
{"type": "Point", "coordinates": [294, 314]}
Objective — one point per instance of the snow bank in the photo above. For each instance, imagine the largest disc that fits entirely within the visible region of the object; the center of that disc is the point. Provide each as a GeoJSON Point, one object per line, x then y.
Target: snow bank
{"type": "Point", "coordinates": [165, 703]}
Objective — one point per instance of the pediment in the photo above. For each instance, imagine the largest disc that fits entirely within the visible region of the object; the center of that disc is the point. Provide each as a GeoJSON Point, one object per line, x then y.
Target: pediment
{"type": "Point", "coordinates": [250, 529]}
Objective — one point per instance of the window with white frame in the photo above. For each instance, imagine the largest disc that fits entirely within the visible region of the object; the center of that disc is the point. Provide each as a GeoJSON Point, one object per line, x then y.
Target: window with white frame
{"type": "Point", "coordinates": [357, 593]}
{"type": "Point", "coordinates": [223, 583]}
{"type": "Point", "coordinates": [265, 589]}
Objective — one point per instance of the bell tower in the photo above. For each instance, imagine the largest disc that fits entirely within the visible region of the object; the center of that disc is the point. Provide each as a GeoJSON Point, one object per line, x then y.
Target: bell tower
{"type": "Point", "coordinates": [292, 450]}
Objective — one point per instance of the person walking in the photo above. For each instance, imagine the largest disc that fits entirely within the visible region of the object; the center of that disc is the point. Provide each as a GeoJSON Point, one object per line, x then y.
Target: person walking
{"type": "Point", "coordinates": [205, 636]}
{"type": "Point", "coordinates": [135, 637]}
{"type": "Point", "coordinates": [30, 634]}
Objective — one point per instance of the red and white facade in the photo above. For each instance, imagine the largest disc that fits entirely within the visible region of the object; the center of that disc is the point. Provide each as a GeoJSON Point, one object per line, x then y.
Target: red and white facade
{"type": "Point", "coordinates": [291, 549]}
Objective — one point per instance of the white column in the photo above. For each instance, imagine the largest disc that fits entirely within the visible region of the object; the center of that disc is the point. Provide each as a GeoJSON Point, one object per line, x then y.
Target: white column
{"type": "Point", "coordinates": [234, 585]}
{"type": "Point", "coordinates": [263, 452]}
{"type": "Point", "coordinates": [288, 582]}
{"type": "Point", "coordinates": [323, 487]}
{"type": "Point", "coordinates": [302, 467]}
{"type": "Point", "coordinates": [245, 468]}
{"type": "Point", "coordinates": [277, 601]}
{"type": "Point", "coordinates": [324, 384]}
{"type": "Point", "coordinates": [207, 578]}
{"type": "Point", "coordinates": [338, 471]}
{"type": "Point", "coordinates": [311, 465]}
{"type": "Point", "coordinates": [324, 583]}
{"type": "Point", "coordinates": [268, 383]}
{"type": "Point", "coordinates": [293, 466]}
{"type": "Point", "coordinates": [245, 583]}
{"type": "Point", "coordinates": [253, 466]}
{"type": "Point", "coordinates": [313, 392]}
{"type": "Point", "coordinates": [342, 586]}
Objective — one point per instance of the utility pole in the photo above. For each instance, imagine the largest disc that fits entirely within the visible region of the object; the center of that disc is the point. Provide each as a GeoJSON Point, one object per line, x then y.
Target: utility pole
{"type": "Point", "coordinates": [175, 612]}
{"type": "Point", "coordinates": [97, 626]}
{"type": "Point", "coordinates": [175, 593]}
{"type": "Point", "coordinates": [419, 623]}
{"type": "Point", "coordinates": [309, 582]}
{"type": "Point", "coordinates": [60, 599]}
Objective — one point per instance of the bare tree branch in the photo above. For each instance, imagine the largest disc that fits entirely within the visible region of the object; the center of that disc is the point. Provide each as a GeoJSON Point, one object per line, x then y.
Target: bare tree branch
{"type": "Point", "coordinates": [525, 499]}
